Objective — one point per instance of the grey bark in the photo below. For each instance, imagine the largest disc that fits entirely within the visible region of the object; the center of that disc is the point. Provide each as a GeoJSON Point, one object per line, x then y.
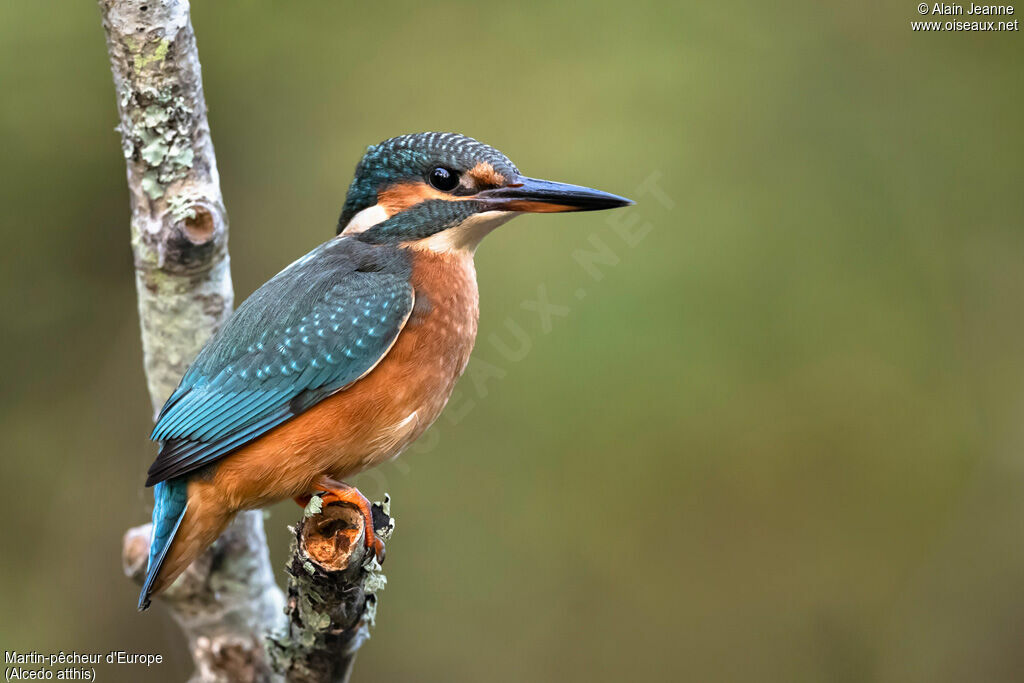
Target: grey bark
{"type": "Point", "coordinates": [333, 580]}
{"type": "Point", "coordinates": [227, 602]}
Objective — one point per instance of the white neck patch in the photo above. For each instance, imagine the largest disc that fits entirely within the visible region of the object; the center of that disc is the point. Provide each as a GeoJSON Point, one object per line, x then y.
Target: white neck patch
{"type": "Point", "coordinates": [366, 219]}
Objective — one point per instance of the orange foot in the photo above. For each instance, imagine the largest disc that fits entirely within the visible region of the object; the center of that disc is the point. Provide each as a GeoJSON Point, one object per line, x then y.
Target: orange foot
{"type": "Point", "coordinates": [338, 492]}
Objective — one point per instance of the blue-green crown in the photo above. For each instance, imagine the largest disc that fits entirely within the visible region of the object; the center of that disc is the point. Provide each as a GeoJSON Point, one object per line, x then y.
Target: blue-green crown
{"type": "Point", "coordinates": [408, 157]}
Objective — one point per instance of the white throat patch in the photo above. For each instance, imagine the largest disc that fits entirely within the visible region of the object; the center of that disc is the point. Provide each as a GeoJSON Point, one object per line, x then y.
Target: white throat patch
{"type": "Point", "coordinates": [466, 236]}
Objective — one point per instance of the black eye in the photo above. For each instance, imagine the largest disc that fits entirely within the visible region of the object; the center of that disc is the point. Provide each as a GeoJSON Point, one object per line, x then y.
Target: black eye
{"type": "Point", "coordinates": [443, 179]}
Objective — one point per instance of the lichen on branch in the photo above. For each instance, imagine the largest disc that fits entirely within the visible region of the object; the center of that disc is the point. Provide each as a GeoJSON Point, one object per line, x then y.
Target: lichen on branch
{"type": "Point", "coordinates": [227, 600]}
{"type": "Point", "coordinates": [333, 581]}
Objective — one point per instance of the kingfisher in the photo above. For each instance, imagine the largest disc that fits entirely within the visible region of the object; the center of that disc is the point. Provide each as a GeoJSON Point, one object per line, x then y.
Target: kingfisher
{"type": "Point", "coordinates": [346, 356]}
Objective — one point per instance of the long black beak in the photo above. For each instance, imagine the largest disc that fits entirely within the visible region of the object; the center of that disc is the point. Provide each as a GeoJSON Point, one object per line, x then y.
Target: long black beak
{"type": "Point", "coordinates": [544, 196]}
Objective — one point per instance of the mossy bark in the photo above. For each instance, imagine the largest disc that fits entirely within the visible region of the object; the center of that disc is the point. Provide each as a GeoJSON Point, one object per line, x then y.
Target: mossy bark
{"type": "Point", "coordinates": [227, 601]}
{"type": "Point", "coordinates": [333, 580]}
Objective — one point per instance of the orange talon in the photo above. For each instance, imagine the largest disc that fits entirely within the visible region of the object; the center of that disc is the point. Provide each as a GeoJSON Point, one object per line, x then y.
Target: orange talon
{"type": "Point", "coordinates": [338, 492]}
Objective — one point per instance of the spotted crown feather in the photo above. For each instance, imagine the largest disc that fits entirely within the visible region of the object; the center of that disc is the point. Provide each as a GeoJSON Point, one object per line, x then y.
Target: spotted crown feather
{"type": "Point", "coordinates": [413, 155]}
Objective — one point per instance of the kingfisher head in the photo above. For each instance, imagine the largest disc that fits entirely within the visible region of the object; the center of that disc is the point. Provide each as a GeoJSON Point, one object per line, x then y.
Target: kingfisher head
{"type": "Point", "coordinates": [445, 192]}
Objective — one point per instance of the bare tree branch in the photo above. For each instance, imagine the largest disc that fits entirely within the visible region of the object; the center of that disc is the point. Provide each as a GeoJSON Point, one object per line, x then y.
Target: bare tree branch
{"type": "Point", "coordinates": [227, 600]}
{"type": "Point", "coordinates": [333, 580]}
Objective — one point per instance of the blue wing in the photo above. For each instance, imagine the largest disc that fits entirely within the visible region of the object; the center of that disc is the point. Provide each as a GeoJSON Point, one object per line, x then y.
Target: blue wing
{"type": "Point", "coordinates": [316, 327]}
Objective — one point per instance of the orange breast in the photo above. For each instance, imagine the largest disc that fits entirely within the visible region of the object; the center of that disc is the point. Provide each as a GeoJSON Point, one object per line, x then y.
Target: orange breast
{"type": "Point", "coordinates": [375, 418]}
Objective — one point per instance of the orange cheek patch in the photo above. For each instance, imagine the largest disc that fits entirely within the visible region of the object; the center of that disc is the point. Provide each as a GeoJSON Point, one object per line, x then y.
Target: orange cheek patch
{"type": "Point", "coordinates": [401, 196]}
{"type": "Point", "coordinates": [486, 176]}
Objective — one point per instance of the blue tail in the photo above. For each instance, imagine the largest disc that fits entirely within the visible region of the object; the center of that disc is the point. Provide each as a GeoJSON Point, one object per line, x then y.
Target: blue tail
{"type": "Point", "coordinates": [171, 499]}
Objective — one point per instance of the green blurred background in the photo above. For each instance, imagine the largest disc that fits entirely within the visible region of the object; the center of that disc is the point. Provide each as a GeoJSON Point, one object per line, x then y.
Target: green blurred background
{"type": "Point", "coordinates": [780, 440]}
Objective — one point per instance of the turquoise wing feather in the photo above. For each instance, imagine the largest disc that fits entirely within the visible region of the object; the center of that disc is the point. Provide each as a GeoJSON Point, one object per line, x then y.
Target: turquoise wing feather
{"type": "Point", "coordinates": [316, 327]}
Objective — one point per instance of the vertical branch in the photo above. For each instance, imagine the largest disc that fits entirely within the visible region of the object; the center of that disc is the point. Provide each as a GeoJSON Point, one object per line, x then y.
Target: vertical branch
{"type": "Point", "coordinates": [227, 600]}
{"type": "Point", "coordinates": [179, 227]}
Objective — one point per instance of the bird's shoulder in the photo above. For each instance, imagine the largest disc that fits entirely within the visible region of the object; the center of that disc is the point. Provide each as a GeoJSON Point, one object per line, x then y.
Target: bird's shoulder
{"type": "Point", "coordinates": [322, 299]}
